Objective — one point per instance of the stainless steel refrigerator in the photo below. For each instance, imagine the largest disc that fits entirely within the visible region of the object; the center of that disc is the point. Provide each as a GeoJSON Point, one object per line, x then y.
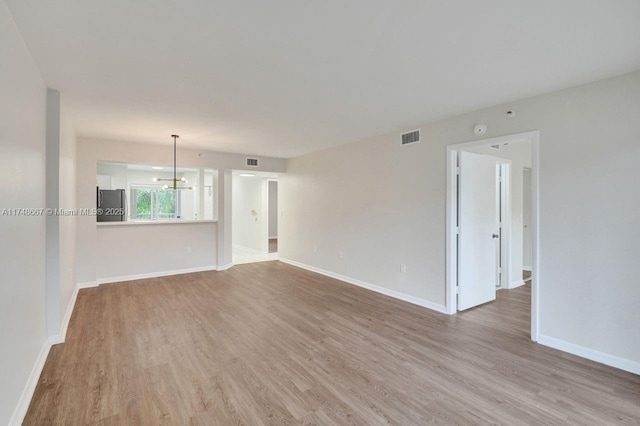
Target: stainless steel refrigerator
{"type": "Point", "coordinates": [111, 205]}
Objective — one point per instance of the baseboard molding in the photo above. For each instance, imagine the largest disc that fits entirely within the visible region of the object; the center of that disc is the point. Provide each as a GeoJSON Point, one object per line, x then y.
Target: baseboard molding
{"type": "Point", "coordinates": [30, 387]}
{"type": "Point", "coordinates": [527, 268]}
{"type": "Point", "coordinates": [110, 280]}
{"type": "Point", "coordinates": [516, 284]}
{"type": "Point", "coordinates": [387, 292]}
{"type": "Point", "coordinates": [88, 284]}
{"type": "Point", "coordinates": [275, 237]}
{"type": "Point", "coordinates": [592, 354]}
{"type": "Point", "coordinates": [225, 267]}
{"type": "Point", "coordinates": [60, 338]}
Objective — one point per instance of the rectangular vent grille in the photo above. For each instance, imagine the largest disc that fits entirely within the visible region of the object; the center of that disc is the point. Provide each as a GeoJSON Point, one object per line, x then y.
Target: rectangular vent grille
{"type": "Point", "coordinates": [411, 137]}
{"type": "Point", "coordinates": [253, 162]}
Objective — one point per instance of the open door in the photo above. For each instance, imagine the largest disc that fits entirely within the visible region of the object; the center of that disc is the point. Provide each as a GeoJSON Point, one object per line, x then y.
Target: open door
{"type": "Point", "coordinates": [479, 230]}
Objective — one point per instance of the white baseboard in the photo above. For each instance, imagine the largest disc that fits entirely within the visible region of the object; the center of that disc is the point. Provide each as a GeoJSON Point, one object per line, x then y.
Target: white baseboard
{"type": "Point", "coordinates": [275, 237]}
{"type": "Point", "coordinates": [225, 267]}
{"type": "Point", "coordinates": [60, 338]}
{"type": "Point", "coordinates": [387, 292]}
{"type": "Point", "coordinates": [516, 284]}
{"type": "Point", "coordinates": [592, 354]}
{"type": "Point", "coordinates": [110, 280]}
{"type": "Point", "coordinates": [527, 268]}
{"type": "Point", "coordinates": [27, 393]}
{"type": "Point", "coordinates": [87, 284]}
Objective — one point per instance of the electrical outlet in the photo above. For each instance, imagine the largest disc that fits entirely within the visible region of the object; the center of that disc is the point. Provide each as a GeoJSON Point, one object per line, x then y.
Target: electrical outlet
{"type": "Point", "coordinates": [340, 254]}
{"type": "Point", "coordinates": [403, 268]}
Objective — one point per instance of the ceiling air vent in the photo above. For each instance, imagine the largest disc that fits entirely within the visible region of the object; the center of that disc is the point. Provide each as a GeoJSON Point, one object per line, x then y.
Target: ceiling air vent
{"type": "Point", "coordinates": [411, 137]}
{"type": "Point", "coordinates": [253, 162]}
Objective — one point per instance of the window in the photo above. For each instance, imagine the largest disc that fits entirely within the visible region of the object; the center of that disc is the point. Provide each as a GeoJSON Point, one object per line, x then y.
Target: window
{"type": "Point", "coordinates": [152, 203]}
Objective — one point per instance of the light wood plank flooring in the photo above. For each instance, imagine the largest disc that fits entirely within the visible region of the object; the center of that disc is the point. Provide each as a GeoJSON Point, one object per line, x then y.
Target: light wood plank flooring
{"type": "Point", "coordinates": [267, 343]}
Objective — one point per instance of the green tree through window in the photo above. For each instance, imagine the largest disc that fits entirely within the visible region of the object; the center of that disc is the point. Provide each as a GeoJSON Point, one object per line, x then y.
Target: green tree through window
{"type": "Point", "coordinates": [154, 203]}
{"type": "Point", "coordinates": [165, 204]}
{"type": "Point", "coordinates": [143, 203]}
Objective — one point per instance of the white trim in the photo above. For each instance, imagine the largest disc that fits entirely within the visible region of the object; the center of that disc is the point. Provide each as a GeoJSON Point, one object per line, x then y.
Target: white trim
{"type": "Point", "coordinates": [224, 267]}
{"type": "Point", "coordinates": [451, 271]}
{"type": "Point", "coordinates": [506, 227]}
{"type": "Point", "coordinates": [592, 354]}
{"type": "Point", "coordinates": [87, 284]}
{"type": "Point", "coordinates": [526, 268]}
{"type": "Point", "coordinates": [391, 293]}
{"type": "Point", "coordinates": [535, 236]}
{"type": "Point", "coordinates": [60, 337]}
{"type": "Point", "coordinates": [516, 284]}
{"type": "Point", "coordinates": [30, 387]}
{"type": "Point", "coordinates": [110, 280]}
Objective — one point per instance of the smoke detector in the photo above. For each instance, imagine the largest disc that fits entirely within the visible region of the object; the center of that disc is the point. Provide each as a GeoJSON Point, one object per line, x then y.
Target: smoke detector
{"type": "Point", "coordinates": [480, 129]}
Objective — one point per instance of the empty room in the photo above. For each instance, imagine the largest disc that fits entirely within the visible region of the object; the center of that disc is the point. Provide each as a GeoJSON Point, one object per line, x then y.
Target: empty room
{"type": "Point", "coordinates": [319, 213]}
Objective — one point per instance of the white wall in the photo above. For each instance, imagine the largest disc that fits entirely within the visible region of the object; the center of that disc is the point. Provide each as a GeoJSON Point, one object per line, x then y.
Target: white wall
{"type": "Point", "coordinates": [22, 252]}
{"type": "Point", "coordinates": [247, 196]}
{"type": "Point", "coordinates": [128, 250]}
{"type": "Point", "coordinates": [223, 214]}
{"type": "Point", "coordinates": [520, 156]}
{"type": "Point", "coordinates": [273, 209]}
{"type": "Point", "coordinates": [91, 151]}
{"type": "Point", "coordinates": [383, 204]}
{"type": "Point", "coordinates": [67, 194]}
{"type": "Point", "coordinates": [52, 200]}
{"type": "Point", "coordinates": [117, 173]}
{"type": "Point", "coordinates": [60, 228]}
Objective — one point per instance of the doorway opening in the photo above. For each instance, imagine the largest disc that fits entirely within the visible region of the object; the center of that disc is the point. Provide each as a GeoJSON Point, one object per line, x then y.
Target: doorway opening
{"type": "Point", "coordinates": [492, 206]}
{"type": "Point", "coordinates": [254, 216]}
{"type": "Point", "coordinates": [272, 212]}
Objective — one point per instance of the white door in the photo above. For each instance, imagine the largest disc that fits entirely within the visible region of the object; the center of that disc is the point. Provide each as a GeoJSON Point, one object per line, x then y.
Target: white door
{"type": "Point", "coordinates": [478, 216]}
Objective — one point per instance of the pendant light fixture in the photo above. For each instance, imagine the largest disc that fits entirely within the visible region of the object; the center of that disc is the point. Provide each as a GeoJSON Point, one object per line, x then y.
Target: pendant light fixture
{"type": "Point", "coordinates": [174, 182]}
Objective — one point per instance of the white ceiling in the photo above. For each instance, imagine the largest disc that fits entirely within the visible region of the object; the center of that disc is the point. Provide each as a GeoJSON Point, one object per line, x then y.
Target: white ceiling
{"type": "Point", "coordinates": [287, 77]}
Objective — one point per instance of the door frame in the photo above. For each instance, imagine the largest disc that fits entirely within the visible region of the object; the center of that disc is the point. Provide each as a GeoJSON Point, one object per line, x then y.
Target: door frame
{"type": "Point", "coordinates": [505, 227]}
{"type": "Point", "coordinates": [451, 212]}
{"type": "Point", "coordinates": [265, 201]}
{"type": "Point", "coordinates": [525, 170]}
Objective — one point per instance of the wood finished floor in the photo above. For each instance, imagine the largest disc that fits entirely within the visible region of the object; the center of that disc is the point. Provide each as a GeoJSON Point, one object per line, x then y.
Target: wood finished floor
{"type": "Point", "coordinates": [267, 343]}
